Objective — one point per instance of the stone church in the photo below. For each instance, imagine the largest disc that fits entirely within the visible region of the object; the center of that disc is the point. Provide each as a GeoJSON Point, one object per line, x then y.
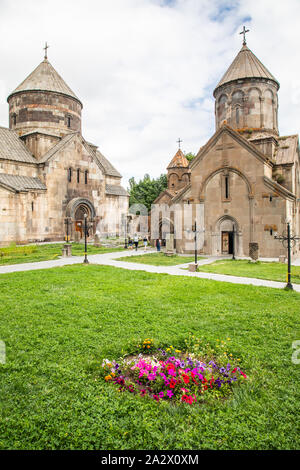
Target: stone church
{"type": "Point", "coordinates": [50, 176]}
{"type": "Point", "coordinates": [244, 183]}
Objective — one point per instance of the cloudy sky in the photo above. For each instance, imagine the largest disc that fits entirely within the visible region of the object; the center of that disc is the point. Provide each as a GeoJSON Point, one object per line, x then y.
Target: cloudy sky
{"type": "Point", "coordinates": [145, 70]}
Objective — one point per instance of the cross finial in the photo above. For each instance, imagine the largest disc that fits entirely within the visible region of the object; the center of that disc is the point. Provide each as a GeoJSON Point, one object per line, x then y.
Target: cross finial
{"type": "Point", "coordinates": [45, 49]}
{"type": "Point", "coordinates": [179, 142]}
{"type": "Point", "coordinates": [244, 32]}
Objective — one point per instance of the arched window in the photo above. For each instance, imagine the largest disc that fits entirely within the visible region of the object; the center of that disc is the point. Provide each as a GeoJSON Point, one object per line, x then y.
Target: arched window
{"type": "Point", "coordinates": [69, 121]}
{"type": "Point", "coordinates": [70, 175]}
{"type": "Point", "coordinates": [237, 115]}
{"type": "Point", "coordinates": [78, 176]}
{"type": "Point", "coordinates": [226, 187]}
{"type": "Point", "coordinates": [86, 177]}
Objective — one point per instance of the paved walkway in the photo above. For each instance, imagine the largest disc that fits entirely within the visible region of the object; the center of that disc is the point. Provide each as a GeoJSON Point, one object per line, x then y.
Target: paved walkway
{"type": "Point", "coordinates": [109, 259]}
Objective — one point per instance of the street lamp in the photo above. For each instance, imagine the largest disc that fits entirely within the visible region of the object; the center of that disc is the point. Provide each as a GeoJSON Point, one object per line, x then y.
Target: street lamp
{"type": "Point", "coordinates": [85, 240]}
{"type": "Point", "coordinates": [195, 231]}
{"type": "Point", "coordinates": [288, 241]}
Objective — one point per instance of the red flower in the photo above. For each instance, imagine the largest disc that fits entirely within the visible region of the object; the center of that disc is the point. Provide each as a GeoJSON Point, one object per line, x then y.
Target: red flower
{"type": "Point", "coordinates": [186, 378]}
{"type": "Point", "coordinates": [172, 383]}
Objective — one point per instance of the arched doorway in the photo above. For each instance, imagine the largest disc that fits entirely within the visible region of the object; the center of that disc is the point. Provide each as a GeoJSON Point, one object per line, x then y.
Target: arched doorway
{"type": "Point", "coordinates": [227, 237]}
{"type": "Point", "coordinates": [80, 213]}
{"type": "Point", "coordinates": [166, 232]}
{"type": "Point", "coordinates": [76, 211]}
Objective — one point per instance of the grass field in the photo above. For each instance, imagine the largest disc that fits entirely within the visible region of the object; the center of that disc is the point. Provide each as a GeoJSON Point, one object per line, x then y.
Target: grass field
{"type": "Point", "coordinates": [59, 323]}
{"type": "Point", "coordinates": [159, 259]}
{"type": "Point", "coordinates": [33, 253]}
{"type": "Point", "coordinates": [260, 270]}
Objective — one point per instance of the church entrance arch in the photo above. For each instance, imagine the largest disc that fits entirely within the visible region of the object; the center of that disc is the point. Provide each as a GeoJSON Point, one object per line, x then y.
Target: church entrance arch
{"type": "Point", "coordinates": [166, 232]}
{"type": "Point", "coordinates": [76, 211]}
{"type": "Point", "coordinates": [227, 238]}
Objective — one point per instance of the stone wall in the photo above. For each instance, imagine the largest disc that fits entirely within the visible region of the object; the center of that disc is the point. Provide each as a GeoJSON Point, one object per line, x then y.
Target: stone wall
{"type": "Point", "coordinates": [55, 112]}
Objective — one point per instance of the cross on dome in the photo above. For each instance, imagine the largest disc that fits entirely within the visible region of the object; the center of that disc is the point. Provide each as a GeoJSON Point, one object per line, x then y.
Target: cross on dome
{"type": "Point", "coordinates": [244, 32]}
{"type": "Point", "coordinates": [45, 49]}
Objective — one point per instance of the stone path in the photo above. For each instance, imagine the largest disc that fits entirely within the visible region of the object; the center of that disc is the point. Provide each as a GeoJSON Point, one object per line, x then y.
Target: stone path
{"type": "Point", "coordinates": [109, 259]}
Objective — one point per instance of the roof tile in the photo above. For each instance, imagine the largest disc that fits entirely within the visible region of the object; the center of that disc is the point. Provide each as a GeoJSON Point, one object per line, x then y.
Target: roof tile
{"type": "Point", "coordinates": [12, 148]}
{"type": "Point", "coordinates": [246, 65]}
{"type": "Point", "coordinates": [21, 183]}
{"type": "Point", "coordinates": [45, 78]}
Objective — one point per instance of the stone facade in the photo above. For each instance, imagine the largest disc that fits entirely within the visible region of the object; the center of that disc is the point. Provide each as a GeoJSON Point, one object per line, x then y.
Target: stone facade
{"type": "Point", "coordinates": [50, 176]}
{"type": "Point", "coordinates": [244, 184]}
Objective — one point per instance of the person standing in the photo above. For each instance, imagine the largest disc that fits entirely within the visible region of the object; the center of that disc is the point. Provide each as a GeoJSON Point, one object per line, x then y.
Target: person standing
{"type": "Point", "coordinates": [145, 241]}
{"type": "Point", "coordinates": [136, 242]}
{"type": "Point", "coordinates": [158, 244]}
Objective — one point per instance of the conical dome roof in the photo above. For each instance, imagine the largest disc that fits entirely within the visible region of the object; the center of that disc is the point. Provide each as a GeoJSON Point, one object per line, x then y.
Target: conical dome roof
{"type": "Point", "coordinates": [45, 78]}
{"type": "Point", "coordinates": [178, 161]}
{"type": "Point", "coordinates": [246, 65]}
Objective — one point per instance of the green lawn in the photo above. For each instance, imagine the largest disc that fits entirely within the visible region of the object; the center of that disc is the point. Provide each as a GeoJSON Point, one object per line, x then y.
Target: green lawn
{"type": "Point", "coordinates": [260, 270]}
{"type": "Point", "coordinates": [159, 259]}
{"type": "Point", "coordinates": [59, 323]}
{"type": "Point", "coordinates": [32, 253]}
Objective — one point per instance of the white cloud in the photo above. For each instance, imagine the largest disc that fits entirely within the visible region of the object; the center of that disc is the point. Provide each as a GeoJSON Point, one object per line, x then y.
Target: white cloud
{"type": "Point", "coordinates": [145, 70]}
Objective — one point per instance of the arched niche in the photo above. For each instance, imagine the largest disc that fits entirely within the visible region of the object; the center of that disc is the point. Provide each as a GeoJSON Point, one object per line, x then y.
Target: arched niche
{"type": "Point", "coordinates": [173, 180]}
{"type": "Point", "coordinates": [269, 109]}
{"type": "Point", "coordinates": [221, 108]}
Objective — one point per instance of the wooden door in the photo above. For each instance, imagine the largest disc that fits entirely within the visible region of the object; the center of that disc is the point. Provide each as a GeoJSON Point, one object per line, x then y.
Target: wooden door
{"type": "Point", "coordinates": [225, 243]}
{"type": "Point", "coordinates": [79, 227]}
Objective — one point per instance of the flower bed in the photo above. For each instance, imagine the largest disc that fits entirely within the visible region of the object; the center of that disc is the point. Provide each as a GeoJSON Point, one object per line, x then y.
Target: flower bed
{"type": "Point", "coordinates": [174, 375]}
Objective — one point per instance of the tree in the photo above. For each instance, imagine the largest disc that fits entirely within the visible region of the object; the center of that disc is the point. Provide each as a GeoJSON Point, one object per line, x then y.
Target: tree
{"type": "Point", "coordinates": [189, 156]}
{"type": "Point", "coordinates": [146, 190]}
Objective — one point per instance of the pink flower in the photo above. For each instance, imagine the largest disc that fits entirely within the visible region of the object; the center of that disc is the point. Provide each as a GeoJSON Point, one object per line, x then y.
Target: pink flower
{"type": "Point", "coordinates": [161, 394]}
{"type": "Point", "coordinates": [151, 377]}
{"type": "Point", "coordinates": [170, 393]}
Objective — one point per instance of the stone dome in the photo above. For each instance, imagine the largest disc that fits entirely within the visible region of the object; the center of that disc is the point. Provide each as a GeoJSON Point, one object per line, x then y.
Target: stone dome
{"type": "Point", "coordinates": [246, 96]}
{"type": "Point", "coordinates": [44, 101]}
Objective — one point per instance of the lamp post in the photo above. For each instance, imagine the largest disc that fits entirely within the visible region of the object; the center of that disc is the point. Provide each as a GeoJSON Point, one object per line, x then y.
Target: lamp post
{"type": "Point", "coordinates": [288, 241]}
{"type": "Point", "coordinates": [85, 240]}
{"type": "Point", "coordinates": [195, 231]}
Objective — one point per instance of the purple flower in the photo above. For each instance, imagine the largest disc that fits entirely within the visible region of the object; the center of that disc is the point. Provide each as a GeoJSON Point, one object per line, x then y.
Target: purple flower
{"type": "Point", "coordinates": [161, 394]}
{"type": "Point", "coordinates": [170, 393]}
{"type": "Point", "coordinates": [218, 382]}
{"type": "Point", "coordinates": [228, 366]}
